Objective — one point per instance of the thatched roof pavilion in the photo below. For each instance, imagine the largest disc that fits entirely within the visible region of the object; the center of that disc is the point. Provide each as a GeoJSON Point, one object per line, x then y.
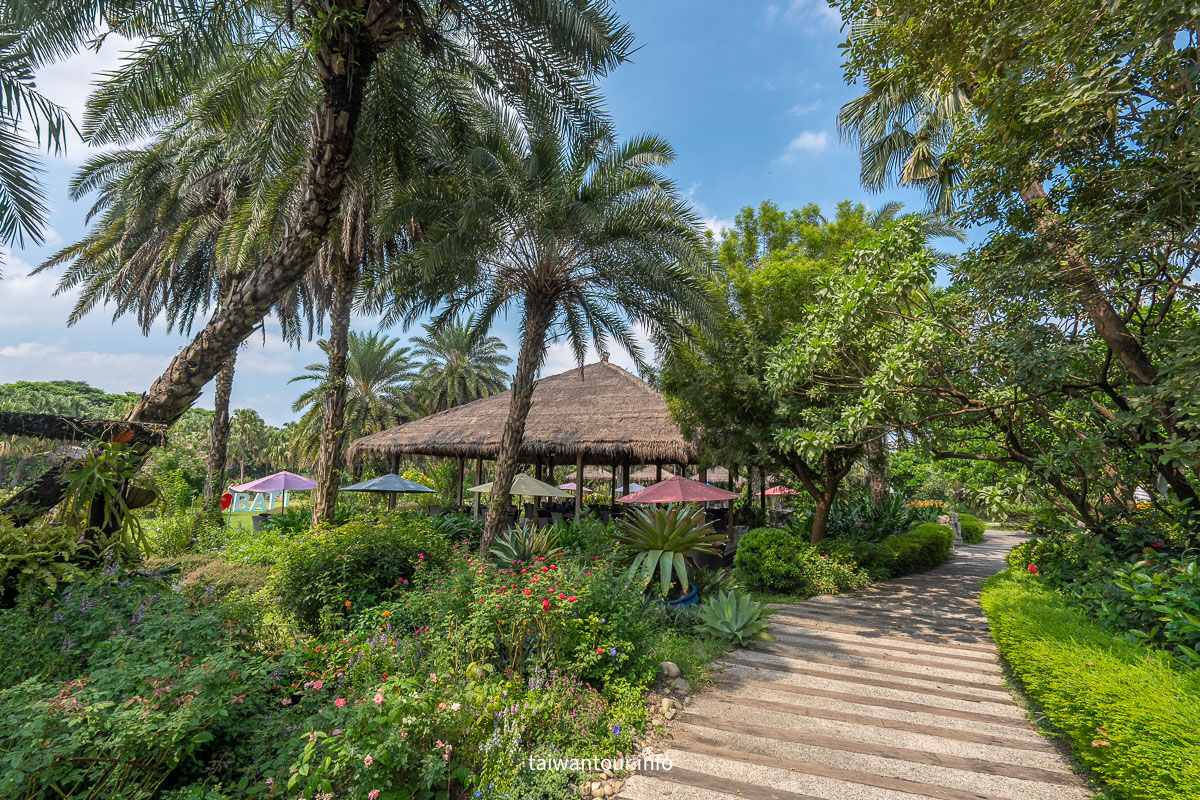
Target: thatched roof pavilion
{"type": "Point", "coordinates": [600, 412]}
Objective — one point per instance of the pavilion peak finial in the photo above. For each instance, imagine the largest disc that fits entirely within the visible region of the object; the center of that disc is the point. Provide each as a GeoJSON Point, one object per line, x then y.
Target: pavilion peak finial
{"type": "Point", "coordinates": [604, 358]}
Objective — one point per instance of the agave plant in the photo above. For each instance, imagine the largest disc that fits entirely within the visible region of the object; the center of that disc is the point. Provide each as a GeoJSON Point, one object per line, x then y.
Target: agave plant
{"type": "Point", "coordinates": [735, 619]}
{"type": "Point", "coordinates": [663, 540]}
{"type": "Point", "coordinates": [525, 545]}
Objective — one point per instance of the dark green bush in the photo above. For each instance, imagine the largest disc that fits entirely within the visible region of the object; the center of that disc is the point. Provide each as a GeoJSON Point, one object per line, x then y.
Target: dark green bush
{"type": "Point", "coordinates": [1132, 717]}
{"type": "Point", "coordinates": [334, 570]}
{"type": "Point", "coordinates": [972, 529]}
{"type": "Point", "coordinates": [774, 560]}
{"type": "Point", "coordinates": [921, 549]}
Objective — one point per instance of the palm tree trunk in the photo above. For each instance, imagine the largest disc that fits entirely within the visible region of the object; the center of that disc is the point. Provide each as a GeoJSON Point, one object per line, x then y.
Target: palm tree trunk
{"type": "Point", "coordinates": [343, 63]}
{"type": "Point", "coordinates": [218, 437]}
{"type": "Point", "coordinates": [538, 313]}
{"type": "Point", "coordinates": [329, 457]}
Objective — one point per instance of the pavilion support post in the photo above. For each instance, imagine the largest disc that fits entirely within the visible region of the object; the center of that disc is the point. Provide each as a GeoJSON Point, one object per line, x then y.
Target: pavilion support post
{"type": "Point", "coordinates": [393, 467]}
{"type": "Point", "coordinates": [658, 472]}
{"type": "Point", "coordinates": [704, 474]}
{"type": "Point", "coordinates": [578, 484]}
{"type": "Point", "coordinates": [462, 466]}
{"type": "Point", "coordinates": [613, 485]}
{"type": "Point", "coordinates": [537, 501]}
{"type": "Point", "coordinates": [625, 478]}
{"type": "Point", "coordinates": [478, 480]}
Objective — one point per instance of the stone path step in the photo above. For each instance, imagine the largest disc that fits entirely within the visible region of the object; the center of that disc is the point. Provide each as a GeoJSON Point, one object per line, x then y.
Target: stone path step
{"type": "Point", "coordinates": [892, 693]}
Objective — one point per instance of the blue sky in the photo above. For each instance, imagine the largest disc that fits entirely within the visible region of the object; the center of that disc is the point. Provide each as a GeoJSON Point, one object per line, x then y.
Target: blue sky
{"type": "Point", "coordinates": [746, 92]}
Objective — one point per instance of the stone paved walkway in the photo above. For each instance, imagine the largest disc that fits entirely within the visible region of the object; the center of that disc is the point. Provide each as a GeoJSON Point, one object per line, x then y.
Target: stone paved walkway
{"type": "Point", "coordinates": [887, 694]}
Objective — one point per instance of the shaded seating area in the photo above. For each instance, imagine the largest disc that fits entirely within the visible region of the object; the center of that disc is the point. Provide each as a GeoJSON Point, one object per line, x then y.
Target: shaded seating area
{"type": "Point", "coordinates": [599, 420]}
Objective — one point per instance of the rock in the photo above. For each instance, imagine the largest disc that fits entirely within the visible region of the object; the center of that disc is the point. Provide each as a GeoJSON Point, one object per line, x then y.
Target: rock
{"type": "Point", "coordinates": [596, 786]}
{"type": "Point", "coordinates": [606, 774]}
{"type": "Point", "coordinates": [598, 793]}
{"type": "Point", "coordinates": [669, 670]}
{"type": "Point", "coordinates": [585, 791]}
{"type": "Point", "coordinates": [666, 704]}
{"type": "Point", "coordinates": [618, 786]}
{"type": "Point", "coordinates": [687, 701]}
{"type": "Point", "coordinates": [609, 791]}
{"type": "Point", "coordinates": [681, 685]}
{"type": "Point", "coordinates": [670, 713]}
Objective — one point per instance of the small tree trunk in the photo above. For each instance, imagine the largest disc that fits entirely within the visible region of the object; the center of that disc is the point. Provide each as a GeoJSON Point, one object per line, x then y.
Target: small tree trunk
{"type": "Point", "coordinates": [538, 313]}
{"type": "Point", "coordinates": [329, 459]}
{"type": "Point", "coordinates": [877, 461]}
{"type": "Point", "coordinates": [218, 437]}
{"type": "Point", "coordinates": [821, 515]}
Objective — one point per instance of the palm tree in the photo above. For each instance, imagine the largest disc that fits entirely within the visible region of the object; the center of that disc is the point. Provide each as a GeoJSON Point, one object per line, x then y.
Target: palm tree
{"type": "Point", "coordinates": [516, 54]}
{"type": "Point", "coordinates": [22, 199]}
{"type": "Point", "coordinates": [586, 239]}
{"type": "Point", "coordinates": [160, 249]}
{"type": "Point", "coordinates": [459, 366]}
{"type": "Point", "coordinates": [247, 439]}
{"type": "Point", "coordinates": [379, 376]}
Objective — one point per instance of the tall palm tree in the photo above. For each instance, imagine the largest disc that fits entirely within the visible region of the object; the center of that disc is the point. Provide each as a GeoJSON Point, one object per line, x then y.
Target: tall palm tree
{"type": "Point", "coordinates": [379, 375]}
{"type": "Point", "coordinates": [586, 239]}
{"type": "Point", "coordinates": [459, 366]}
{"type": "Point", "coordinates": [159, 249]}
{"type": "Point", "coordinates": [247, 439]}
{"type": "Point", "coordinates": [518, 55]}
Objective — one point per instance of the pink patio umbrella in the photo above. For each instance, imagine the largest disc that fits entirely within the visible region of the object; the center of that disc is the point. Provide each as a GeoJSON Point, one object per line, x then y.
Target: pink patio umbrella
{"type": "Point", "coordinates": [570, 487]}
{"type": "Point", "coordinates": [279, 482]}
{"type": "Point", "coordinates": [678, 489]}
{"type": "Point", "coordinates": [776, 491]}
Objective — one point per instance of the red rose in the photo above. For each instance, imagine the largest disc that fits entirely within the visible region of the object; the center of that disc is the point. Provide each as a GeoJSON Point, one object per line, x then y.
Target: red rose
{"type": "Point", "coordinates": [1033, 570]}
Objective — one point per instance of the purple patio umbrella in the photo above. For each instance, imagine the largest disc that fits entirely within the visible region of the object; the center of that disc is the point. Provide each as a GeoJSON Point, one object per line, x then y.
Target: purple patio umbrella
{"type": "Point", "coordinates": [279, 482]}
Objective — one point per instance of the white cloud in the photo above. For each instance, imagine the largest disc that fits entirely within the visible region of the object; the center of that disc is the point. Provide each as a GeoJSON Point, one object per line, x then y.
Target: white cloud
{"type": "Point", "coordinates": [801, 109]}
{"type": "Point", "coordinates": [112, 372]}
{"type": "Point", "coordinates": [806, 142]}
{"type": "Point", "coordinates": [810, 14]}
{"type": "Point", "coordinates": [27, 300]}
{"type": "Point", "coordinates": [70, 82]}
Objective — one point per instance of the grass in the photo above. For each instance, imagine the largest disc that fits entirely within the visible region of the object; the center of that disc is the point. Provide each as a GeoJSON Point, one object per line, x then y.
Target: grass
{"type": "Point", "coordinates": [1132, 715]}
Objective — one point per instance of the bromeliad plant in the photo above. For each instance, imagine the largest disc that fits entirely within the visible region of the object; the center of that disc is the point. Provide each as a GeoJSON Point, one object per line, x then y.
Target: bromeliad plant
{"type": "Point", "coordinates": [663, 540]}
{"type": "Point", "coordinates": [735, 619]}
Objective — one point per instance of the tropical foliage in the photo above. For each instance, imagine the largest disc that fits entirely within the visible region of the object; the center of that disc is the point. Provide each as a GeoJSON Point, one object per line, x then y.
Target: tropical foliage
{"type": "Point", "coordinates": [662, 540]}
{"type": "Point", "coordinates": [735, 618]}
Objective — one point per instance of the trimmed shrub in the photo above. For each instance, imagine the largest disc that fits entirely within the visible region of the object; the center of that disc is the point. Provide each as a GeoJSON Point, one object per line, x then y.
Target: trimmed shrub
{"type": "Point", "coordinates": [1131, 716]}
{"type": "Point", "coordinates": [972, 529]}
{"type": "Point", "coordinates": [921, 549]}
{"type": "Point", "coordinates": [774, 560]}
{"type": "Point", "coordinates": [326, 574]}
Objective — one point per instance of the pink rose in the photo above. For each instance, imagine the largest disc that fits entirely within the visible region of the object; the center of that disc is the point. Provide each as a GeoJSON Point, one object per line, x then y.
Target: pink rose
{"type": "Point", "coordinates": [340, 702]}
{"type": "Point", "coordinates": [378, 699]}
{"type": "Point", "coordinates": [373, 794]}
{"type": "Point", "coordinates": [368, 761]}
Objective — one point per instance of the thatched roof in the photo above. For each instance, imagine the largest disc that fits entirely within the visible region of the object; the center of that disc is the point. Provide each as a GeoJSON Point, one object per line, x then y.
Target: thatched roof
{"type": "Point", "coordinates": [721, 475]}
{"type": "Point", "coordinates": [609, 414]}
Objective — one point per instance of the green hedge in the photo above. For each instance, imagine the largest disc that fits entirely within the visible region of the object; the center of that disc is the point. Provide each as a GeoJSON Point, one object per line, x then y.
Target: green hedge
{"type": "Point", "coordinates": [1132, 716]}
{"type": "Point", "coordinates": [972, 529]}
{"type": "Point", "coordinates": [918, 550]}
{"type": "Point", "coordinates": [774, 560]}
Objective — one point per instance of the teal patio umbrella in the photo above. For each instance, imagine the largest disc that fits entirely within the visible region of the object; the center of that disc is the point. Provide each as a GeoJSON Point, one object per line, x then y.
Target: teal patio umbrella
{"type": "Point", "coordinates": [392, 484]}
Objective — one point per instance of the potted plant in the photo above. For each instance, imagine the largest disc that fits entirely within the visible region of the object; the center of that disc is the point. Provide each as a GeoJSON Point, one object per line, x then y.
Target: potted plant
{"type": "Point", "coordinates": [664, 540]}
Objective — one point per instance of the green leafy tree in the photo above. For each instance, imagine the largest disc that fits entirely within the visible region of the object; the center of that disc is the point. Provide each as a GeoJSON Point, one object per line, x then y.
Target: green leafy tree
{"type": "Point", "coordinates": [1069, 133]}
{"type": "Point", "coordinates": [775, 269]}
{"type": "Point", "coordinates": [459, 365]}
{"type": "Point", "coordinates": [585, 239]}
